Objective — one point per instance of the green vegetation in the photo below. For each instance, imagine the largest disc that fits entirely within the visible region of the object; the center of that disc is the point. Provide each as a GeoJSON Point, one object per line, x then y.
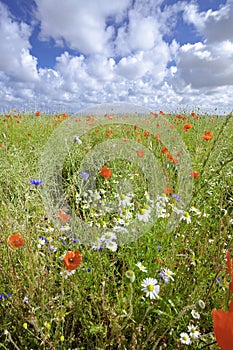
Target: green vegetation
{"type": "Point", "coordinates": [102, 304]}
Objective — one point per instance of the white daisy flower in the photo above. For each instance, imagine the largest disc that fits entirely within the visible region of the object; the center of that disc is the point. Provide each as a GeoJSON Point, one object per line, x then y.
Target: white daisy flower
{"type": "Point", "coordinates": [145, 215]}
{"type": "Point", "coordinates": [166, 275]}
{"type": "Point", "coordinates": [150, 287]}
{"type": "Point", "coordinates": [141, 267]}
{"type": "Point", "coordinates": [186, 217]}
{"type": "Point", "coordinates": [108, 237]}
{"type": "Point", "coordinates": [195, 314]}
{"type": "Point", "coordinates": [112, 246]}
{"type": "Point", "coordinates": [185, 339]}
{"type": "Point", "coordinates": [193, 332]}
{"type": "Point", "coordinates": [65, 273]}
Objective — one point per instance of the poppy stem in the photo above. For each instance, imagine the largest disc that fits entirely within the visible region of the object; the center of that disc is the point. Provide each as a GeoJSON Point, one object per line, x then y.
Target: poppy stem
{"type": "Point", "coordinates": [214, 279]}
{"type": "Point", "coordinates": [207, 345]}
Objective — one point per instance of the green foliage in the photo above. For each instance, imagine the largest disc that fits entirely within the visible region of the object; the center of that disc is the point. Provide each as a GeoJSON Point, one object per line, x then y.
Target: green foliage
{"type": "Point", "coordinates": [98, 307]}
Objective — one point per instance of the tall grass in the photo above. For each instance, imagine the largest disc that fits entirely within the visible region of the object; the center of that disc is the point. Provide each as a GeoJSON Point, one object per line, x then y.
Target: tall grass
{"type": "Point", "coordinates": [100, 305]}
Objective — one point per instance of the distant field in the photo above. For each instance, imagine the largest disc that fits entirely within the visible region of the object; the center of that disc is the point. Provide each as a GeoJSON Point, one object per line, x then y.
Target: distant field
{"type": "Point", "coordinates": [114, 237]}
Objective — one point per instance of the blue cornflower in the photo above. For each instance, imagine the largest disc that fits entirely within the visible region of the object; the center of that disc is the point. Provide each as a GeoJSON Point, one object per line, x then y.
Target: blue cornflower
{"type": "Point", "coordinates": [178, 198]}
{"type": "Point", "coordinates": [85, 175]}
{"type": "Point", "coordinates": [87, 270]}
{"type": "Point", "coordinates": [36, 182]}
{"type": "Point", "coordinates": [52, 248]}
{"type": "Point", "coordinates": [4, 296]}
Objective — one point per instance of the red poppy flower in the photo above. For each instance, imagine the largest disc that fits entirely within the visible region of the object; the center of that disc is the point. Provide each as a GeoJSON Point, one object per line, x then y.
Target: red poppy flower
{"type": "Point", "coordinates": [207, 135]}
{"type": "Point", "coordinates": [72, 260]}
{"type": "Point", "coordinates": [140, 153]}
{"type": "Point", "coordinates": [169, 156]}
{"type": "Point", "coordinates": [62, 216]}
{"type": "Point", "coordinates": [106, 172]}
{"type": "Point", "coordinates": [89, 118]}
{"type": "Point", "coordinates": [146, 134]}
{"type": "Point", "coordinates": [164, 150]}
{"type": "Point", "coordinates": [174, 160]}
{"type": "Point", "coordinates": [154, 114]}
{"type": "Point", "coordinates": [223, 327]}
{"type": "Point", "coordinates": [167, 190]}
{"type": "Point", "coordinates": [195, 174]}
{"type": "Point", "coordinates": [187, 126]}
{"type": "Point", "coordinates": [37, 113]}
{"type": "Point", "coordinates": [15, 240]}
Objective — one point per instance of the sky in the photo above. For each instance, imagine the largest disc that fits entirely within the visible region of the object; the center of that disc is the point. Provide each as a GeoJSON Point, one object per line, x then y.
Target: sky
{"type": "Point", "coordinates": [161, 54]}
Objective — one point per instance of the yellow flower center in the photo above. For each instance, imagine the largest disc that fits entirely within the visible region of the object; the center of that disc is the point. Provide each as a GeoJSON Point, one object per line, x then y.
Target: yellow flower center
{"type": "Point", "coordinates": [150, 287]}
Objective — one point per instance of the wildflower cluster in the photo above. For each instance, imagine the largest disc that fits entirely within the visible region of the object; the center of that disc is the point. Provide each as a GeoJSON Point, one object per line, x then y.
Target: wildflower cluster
{"type": "Point", "coordinates": [165, 206]}
{"type": "Point", "coordinates": [117, 213]}
{"type": "Point", "coordinates": [150, 285]}
{"type": "Point", "coordinates": [108, 240]}
{"type": "Point", "coordinates": [193, 332]}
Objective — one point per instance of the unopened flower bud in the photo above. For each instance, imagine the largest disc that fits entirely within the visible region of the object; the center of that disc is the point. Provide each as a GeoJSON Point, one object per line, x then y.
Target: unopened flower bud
{"type": "Point", "coordinates": [130, 275]}
{"type": "Point", "coordinates": [200, 305]}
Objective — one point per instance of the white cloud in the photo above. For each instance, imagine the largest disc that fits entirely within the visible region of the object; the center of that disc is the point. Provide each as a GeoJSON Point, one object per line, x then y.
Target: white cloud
{"type": "Point", "coordinates": [140, 34]}
{"type": "Point", "coordinates": [208, 64]}
{"type": "Point", "coordinates": [81, 24]}
{"type": "Point", "coordinates": [16, 60]}
{"type": "Point", "coordinates": [215, 25]}
{"type": "Point", "coordinates": [119, 54]}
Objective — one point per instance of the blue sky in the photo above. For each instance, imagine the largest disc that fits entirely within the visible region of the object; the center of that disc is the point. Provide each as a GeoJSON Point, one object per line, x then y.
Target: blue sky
{"type": "Point", "coordinates": [162, 54]}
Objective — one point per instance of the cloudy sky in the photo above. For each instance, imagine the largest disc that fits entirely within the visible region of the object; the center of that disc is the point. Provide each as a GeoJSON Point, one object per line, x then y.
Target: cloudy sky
{"type": "Point", "coordinates": [71, 54]}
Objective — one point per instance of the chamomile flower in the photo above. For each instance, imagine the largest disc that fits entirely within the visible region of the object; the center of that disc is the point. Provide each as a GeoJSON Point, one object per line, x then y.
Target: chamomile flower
{"type": "Point", "coordinates": [108, 237]}
{"type": "Point", "coordinates": [185, 339]}
{"type": "Point", "coordinates": [195, 314]}
{"type": "Point", "coordinates": [150, 287]}
{"type": "Point", "coordinates": [144, 215]}
{"type": "Point", "coordinates": [166, 275]}
{"type": "Point", "coordinates": [186, 217]}
{"type": "Point", "coordinates": [193, 332]}
{"type": "Point", "coordinates": [65, 273]}
{"type": "Point", "coordinates": [141, 267]}
{"type": "Point", "coordinates": [111, 245]}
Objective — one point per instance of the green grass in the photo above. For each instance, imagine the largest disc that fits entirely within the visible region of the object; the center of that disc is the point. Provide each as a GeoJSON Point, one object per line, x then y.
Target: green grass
{"type": "Point", "coordinates": [98, 307]}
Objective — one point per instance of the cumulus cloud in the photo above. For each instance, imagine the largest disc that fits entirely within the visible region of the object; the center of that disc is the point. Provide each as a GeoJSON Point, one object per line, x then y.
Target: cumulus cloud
{"type": "Point", "coordinates": [216, 25]}
{"type": "Point", "coordinates": [84, 25]}
{"type": "Point", "coordinates": [16, 60]}
{"type": "Point", "coordinates": [120, 52]}
{"type": "Point", "coordinates": [208, 64]}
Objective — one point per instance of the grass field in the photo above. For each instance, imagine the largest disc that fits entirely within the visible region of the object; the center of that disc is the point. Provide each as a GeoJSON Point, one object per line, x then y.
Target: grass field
{"type": "Point", "coordinates": [156, 290]}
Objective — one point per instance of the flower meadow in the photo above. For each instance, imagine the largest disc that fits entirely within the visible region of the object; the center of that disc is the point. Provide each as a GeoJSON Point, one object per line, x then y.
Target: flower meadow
{"type": "Point", "coordinates": [164, 289]}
